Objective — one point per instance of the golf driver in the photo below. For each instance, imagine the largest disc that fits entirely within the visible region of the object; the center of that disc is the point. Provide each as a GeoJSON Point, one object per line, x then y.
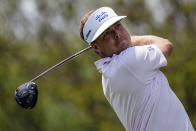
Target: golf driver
{"type": "Point", "coordinates": [26, 95]}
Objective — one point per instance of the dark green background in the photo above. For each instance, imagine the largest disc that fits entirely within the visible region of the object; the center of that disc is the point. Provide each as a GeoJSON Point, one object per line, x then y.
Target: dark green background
{"type": "Point", "coordinates": [35, 35]}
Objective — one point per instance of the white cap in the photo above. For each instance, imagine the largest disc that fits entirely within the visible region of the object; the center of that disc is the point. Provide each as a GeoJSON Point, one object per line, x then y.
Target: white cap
{"type": "Point", "coordinates": [98, 22]}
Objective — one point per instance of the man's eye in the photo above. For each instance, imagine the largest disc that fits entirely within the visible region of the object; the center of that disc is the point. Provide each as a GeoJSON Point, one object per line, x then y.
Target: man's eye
{"type": "Point", "coordinates": [118, 25]}
{"type": "Point", "coordinates": [106, 34]}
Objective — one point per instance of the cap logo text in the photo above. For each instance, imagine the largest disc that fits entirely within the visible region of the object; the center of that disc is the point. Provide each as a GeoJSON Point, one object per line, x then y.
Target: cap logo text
{"type": "Point", "coordinates": [101, 16]}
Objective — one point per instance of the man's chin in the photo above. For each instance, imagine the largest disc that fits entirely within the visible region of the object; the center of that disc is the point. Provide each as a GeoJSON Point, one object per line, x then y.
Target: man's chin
{"type": "Point", "coordinates": [120, 50]}
{"type": "Point", "coordinates": [121, 46]}
{"type": "Point", "coordinates": [124, 46]}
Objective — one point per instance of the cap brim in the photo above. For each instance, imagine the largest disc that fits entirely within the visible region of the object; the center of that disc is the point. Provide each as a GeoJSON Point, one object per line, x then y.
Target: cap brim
{"type": "Point", "coordinates": [105, 25]}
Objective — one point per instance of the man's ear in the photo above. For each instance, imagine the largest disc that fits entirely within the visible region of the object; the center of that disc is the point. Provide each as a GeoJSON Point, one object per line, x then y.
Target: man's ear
{"type": "Point", "coordinates": [95, 47]}
{"type": "Point", "coordinates": [97, 50]}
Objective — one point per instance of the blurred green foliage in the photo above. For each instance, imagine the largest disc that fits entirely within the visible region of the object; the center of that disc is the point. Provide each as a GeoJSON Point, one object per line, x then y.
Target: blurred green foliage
{"type": "Point", "coordinates": [35, 35]}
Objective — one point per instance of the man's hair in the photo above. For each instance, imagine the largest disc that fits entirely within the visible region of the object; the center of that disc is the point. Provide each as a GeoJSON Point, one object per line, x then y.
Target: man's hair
{"type": "Point", "coordinates": [83, 21]}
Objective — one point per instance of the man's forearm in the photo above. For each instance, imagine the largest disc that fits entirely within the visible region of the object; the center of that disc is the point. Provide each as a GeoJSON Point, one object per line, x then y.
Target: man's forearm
{"type": "Point", "coordinates": [163, 44]}
{"type": "Point", "coordinates": [141, 40]}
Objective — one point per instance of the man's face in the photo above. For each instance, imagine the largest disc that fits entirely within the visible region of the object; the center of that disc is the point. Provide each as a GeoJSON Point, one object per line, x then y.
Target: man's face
{"type": "Point", "coordinates": [112, 41]}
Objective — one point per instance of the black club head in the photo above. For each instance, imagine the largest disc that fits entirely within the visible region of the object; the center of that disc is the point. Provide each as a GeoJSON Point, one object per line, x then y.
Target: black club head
{"type": "Point", "coordinates": [26, 95]}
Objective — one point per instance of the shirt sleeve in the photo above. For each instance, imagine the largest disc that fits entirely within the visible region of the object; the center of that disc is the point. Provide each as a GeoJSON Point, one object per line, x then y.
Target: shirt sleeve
{"type": "Point", "coordinates": [143, 59]}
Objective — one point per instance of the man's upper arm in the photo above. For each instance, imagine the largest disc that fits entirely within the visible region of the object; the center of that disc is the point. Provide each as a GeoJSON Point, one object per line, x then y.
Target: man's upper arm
{"type": "Point", "coordinates": [142, 61]}
{"type": "Point", "coordinates": [164, 45]}
{"type": "Point", "coordinates": [144, 58]}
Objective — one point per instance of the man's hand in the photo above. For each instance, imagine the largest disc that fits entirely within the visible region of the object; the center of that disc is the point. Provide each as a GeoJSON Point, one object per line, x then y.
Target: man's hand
{"type": "Point", "coordinates": [163, 44]}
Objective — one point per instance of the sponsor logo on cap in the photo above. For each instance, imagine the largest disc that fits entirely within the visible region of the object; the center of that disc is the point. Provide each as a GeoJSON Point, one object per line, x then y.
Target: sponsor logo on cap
{"type": "Point", "coordinates": [101, 16]}
{"type": "Point", "coordinates": [87, 35]}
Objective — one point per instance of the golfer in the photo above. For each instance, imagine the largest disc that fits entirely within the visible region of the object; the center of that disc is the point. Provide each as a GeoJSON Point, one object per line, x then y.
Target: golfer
{"type": "Point", "coordinates": [132, 83]}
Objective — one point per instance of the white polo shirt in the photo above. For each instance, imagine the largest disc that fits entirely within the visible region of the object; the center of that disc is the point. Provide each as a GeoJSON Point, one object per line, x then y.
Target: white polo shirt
{"type": "Point", "coordinates": [139, 92]}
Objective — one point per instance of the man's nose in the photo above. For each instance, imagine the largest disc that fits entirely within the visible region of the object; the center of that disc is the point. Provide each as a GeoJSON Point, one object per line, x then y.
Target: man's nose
{"type": "Point", "coordinates": [116, 34]}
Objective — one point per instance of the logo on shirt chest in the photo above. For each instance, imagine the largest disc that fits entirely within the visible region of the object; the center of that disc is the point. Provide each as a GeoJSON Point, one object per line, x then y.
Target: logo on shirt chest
{"type": "Point", "coordinates": [107, 62]}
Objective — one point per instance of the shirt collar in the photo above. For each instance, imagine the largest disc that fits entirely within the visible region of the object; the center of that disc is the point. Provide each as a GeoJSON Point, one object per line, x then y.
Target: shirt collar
{"type": "Point", "coordinates": [102, 62]}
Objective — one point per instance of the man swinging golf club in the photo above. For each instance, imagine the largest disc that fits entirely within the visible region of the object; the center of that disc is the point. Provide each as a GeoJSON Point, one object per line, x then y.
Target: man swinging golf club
{"type": "Point", "coordinates": [132, 83]}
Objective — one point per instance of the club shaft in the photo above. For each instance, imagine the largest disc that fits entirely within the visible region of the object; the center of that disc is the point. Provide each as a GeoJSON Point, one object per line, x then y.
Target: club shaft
{"type": "Point", "coordinates": [60, 63]}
